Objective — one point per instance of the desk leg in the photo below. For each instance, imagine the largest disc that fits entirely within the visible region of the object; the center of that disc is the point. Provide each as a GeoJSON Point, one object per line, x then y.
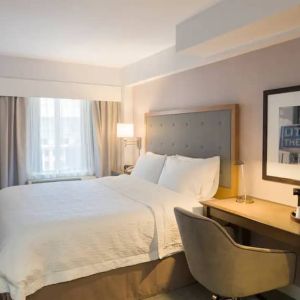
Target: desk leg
{"type": "Point", "coordinates": [245, 236]}
{"type": "Point", "coordinates": [206, 212]}
{"type": "Point", "coordinates": [241, 235]}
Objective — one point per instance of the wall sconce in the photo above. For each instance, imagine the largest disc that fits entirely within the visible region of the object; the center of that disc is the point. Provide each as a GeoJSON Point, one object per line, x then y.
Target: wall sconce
{"type": "Point", "coordinates": [126, 132]}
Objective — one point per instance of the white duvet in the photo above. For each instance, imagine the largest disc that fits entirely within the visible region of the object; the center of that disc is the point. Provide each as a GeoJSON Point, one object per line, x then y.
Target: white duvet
{"type": "Point", "coordinates": [56, 232]}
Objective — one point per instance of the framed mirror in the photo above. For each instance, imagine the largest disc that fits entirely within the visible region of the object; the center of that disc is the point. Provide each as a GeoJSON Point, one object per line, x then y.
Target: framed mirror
{"type": "Point", "coordinates": [281, 135]}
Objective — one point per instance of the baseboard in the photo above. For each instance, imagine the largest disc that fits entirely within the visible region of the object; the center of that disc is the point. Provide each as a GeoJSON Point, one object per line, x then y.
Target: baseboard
{"type": "Point", "coordinates": [292, 291]}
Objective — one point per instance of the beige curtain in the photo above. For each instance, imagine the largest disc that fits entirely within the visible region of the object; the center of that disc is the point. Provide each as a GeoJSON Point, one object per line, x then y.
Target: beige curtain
{"type": "Point", "coordinates": [12, 141]}
{"type": "Point", "coordinates": [5, 297]}
{"type": "Point", "coordinates": [106, 115]}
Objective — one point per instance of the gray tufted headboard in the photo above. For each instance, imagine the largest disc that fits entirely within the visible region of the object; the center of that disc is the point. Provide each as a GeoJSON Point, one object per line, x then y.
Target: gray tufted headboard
{"type": "Point", "coordinates": [201, 132]}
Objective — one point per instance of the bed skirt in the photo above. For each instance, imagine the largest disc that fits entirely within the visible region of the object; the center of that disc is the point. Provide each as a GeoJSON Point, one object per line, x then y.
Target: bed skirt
{"type": "Point", "coordinates": [130, 283]}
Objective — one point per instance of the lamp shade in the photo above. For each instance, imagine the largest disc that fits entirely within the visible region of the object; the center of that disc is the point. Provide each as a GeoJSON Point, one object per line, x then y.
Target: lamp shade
{"type": "Point", "coordinates": [124, 130]}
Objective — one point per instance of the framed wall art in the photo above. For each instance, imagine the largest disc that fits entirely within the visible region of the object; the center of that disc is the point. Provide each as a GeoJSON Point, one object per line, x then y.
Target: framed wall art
{"type": "Point", "coordinates": [281, 135]}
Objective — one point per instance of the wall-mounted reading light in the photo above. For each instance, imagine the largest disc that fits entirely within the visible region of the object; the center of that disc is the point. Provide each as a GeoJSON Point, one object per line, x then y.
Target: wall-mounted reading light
{"type": "Point", "coordinates": [126, 132]}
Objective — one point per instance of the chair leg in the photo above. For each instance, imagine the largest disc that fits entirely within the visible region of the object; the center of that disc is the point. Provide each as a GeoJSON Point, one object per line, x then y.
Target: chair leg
{"type": "Point", "coordinates": [216, 297]}
{"type": "Point", "coordinates": [261, 297]}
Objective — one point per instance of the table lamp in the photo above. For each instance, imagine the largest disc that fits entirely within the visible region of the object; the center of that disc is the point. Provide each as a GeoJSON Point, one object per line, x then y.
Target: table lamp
{"type": "Point", "coordinates": [242, 194]}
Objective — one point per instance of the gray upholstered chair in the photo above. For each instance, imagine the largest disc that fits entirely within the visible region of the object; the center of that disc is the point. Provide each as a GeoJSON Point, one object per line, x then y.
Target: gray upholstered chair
{"type": "Point", "coordinates": [226, 268]}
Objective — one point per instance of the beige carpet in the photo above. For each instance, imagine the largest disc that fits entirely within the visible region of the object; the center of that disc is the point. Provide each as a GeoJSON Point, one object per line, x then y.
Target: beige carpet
{"type": "Point", "coordinates": [193, 292]}
{"type": "Point", "coordinates": [197, 292]}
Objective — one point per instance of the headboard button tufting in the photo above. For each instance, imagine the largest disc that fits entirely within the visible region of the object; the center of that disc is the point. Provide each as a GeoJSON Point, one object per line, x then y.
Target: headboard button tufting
{"type": "Point", "coordinates": [198, 134]}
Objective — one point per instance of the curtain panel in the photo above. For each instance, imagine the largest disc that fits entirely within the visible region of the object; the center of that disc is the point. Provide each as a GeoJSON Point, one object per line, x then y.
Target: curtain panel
{"type": "Point", "coordinates": [12, 141]}
{"type": "Point", "coordinates": [14, 116]}
{"type": "Point", "coordinates": [108, 157]}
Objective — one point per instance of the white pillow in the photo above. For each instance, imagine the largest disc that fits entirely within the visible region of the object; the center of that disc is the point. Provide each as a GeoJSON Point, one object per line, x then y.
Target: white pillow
{"type": "Point", "coordinates": [215, 165]}
{"type": "Point", "coordinates": [193, 177]}
{"type": "Point", "coordinates": [149, 166]}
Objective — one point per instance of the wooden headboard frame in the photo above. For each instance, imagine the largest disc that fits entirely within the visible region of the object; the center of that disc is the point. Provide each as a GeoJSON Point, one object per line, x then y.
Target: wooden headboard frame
{"type": "Point", "coordinates": [196, 114]}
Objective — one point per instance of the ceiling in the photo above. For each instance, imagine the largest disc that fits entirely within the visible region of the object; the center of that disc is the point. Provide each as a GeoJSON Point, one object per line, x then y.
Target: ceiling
{"type": "Point", "coordinates": [111, 33]}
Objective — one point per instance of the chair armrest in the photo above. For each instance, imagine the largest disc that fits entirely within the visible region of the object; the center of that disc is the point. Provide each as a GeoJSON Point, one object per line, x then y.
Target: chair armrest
{"type": "Point", "coordinates": [263, 250]}
{"type": "Point", "coordinates": [264, 269]}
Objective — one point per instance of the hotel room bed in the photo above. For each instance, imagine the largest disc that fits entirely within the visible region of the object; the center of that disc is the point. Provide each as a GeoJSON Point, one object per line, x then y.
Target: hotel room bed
{"type": "Point", "coordinates": [52, 233]}
{"type": "Point", "coordinates": [114, 237]}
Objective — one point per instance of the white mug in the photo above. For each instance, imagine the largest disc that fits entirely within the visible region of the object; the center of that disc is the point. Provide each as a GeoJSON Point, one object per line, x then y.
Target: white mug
{"type": "Point", "coordinates": [298, 212]}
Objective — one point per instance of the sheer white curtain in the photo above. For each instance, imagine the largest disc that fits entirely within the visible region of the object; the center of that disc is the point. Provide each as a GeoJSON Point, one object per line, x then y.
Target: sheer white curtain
{"type": "Point", "coordinates": [60, 138]}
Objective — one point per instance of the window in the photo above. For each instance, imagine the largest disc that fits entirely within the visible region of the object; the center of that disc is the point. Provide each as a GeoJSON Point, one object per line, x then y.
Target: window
{"type": "Point", "coordinates": [60, 138]}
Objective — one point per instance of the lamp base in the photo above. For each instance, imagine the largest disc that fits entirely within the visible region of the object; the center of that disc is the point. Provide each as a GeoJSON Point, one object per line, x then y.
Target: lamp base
{"type": "Point", "coordinates": [244, 199]}
{"type": "Point", "coordinates": [249, 200]}
{"type": "Point", "coordinates": [240, 199]}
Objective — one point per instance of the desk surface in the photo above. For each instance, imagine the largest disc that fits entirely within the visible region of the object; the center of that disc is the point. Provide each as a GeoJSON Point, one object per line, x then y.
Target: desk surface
{"type": "Point", "coordinates": [265, 212]}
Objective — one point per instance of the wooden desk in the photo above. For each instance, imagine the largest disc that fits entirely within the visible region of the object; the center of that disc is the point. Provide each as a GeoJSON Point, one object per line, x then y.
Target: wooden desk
{"type": "Point", "coordinates": [264, 217]}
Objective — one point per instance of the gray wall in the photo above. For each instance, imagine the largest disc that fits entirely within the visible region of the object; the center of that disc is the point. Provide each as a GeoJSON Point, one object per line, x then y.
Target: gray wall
{"type": "Point", "coordinates": [237, 80]}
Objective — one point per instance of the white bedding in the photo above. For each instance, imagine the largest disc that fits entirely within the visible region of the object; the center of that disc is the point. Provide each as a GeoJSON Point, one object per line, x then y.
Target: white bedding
{"type": "Point", "coordinates": [55, 232]}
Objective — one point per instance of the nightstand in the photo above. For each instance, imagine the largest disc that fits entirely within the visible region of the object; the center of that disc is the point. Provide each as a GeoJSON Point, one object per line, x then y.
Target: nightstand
{"type": "Point", "coordinates": [120, 172]}
{"type": "Point", "coordinates": [116, 172]}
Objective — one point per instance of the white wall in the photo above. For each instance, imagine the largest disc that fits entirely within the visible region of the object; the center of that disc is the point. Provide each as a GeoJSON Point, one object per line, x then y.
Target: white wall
{"type": "Point", "coordinates": [29, 77]}
{"type": "Point", "coordinates": [129, 152]}
{"type": "Point", "coordinates": [223, 18]}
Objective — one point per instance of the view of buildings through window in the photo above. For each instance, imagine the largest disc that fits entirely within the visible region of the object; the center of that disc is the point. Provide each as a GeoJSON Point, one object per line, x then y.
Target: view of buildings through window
{"type": "Point", "coordinates": [63, 145]}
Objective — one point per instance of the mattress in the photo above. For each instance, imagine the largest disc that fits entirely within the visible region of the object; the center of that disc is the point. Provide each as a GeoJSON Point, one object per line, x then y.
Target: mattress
{"type": "Point", "coordinates": [57, 232]}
